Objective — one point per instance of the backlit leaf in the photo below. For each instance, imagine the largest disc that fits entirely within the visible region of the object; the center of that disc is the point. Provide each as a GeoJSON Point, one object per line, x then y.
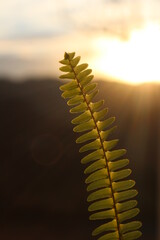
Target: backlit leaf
{"type": "Point", "coordinates": [83, 74]}
{"type": "Point", "coordinates": [96, 166]}
{"type": "Point", "coordinates": [66, 68]}
{"type": "Point", "coordinates": [100, 174]}
{"type": "Point", "coordinates": [110, 236]}
{"type": "Point", "coordinates": [123, 185]}
{"type": "Point", "coordinates": [80, 108]}
{"type": "Point", "coordinates": [109, 193]}
{"type": "Point", "coordinates": [98, 184]}
{"type": "Point", "coordinates": [100, 115]}
{"type": "Point", "coordinates": [90, 96]}
{"type": "Point", "coordinates": [89, 88]}
{"type": "Point", "coordinates": [91, 146]}
{"type": "Point", "coordinates": [95, 106]}
{"type": "Point", "coordinates": [75, 61]}
{"type": "Point", "coordinates": [125, 195]}
{"type": "Point", "coordinates": [84, 126]}
{"type": "Point", "coordinates": [115, 176]}
{"type": "Point", "coordinates": [128, 214]}
{"type": "Point", "coordinates": [113, 166]}
{"type": "Point", "coordinates": [99, 194]}
{"type": "Point", "coordinates": [71, 93]}
{"type": "Point", "coordinates": [69, 86]}
{"type": "Point", "coordinates": [75, 100]}
{"type": "Point", "coordinates": [132, 235]}
{"type": "Point", "coordinates": [69, 75]}
{"type": "Point", "coordinates": [86, 80]}
{"type": "Point", "coordinates": [127, 227]}
{"type": "Point", "coordinates": [110, 226]}
{"type": "Point", "coordinates": [101, 204]}
{"type": "Point", "coordinates": [108, 214]}
{"type": "Point", "coordinates": [124, 206]}
{"type": "Point", "coordinates": [115, 154]}
{"type": "Point", "coordinates": [105, 124]}
{"type": "Point", "coordinates": [80, 68]}
{"type": "Point", "coordinates": [88, 136]}
{"type": "Point", "coordinates": [92, 156]}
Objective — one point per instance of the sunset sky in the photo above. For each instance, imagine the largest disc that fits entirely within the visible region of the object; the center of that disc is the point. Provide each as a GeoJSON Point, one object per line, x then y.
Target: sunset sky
{"type": "Point", "coordinates": [120, 39]}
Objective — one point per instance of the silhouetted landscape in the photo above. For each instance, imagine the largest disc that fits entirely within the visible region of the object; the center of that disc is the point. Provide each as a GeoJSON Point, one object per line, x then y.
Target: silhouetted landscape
{"type": "Point", "coordinates": [43, 195]}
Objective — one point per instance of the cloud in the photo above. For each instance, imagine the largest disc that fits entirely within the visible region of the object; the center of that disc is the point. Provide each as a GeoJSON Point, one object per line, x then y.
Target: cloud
{"type": "Point", "coordinates": [34, 18]}
{"type": "Point", "coordinates": [34, 32]}
{"type": "Point", "coordinates": [41, 56]}
{"type": "Point", "coordinates": [47, 18]}
{"type": "Point", "coordinates": [21, 18]}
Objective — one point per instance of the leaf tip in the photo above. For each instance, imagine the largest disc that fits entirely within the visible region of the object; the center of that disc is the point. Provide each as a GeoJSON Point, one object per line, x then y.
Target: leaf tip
{"type": "Point", "coordinates": [78, 140]}
{"type": "Point", "coordinates": [66, 56]}
{"type": "Point", "coordinates": [61, 76]}
{"type": "Point", "coordinates": [61, 88]}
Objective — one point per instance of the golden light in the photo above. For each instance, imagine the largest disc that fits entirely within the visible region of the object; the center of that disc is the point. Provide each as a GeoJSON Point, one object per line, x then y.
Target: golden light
{"type": "Point", "coordinates": [135, 61]}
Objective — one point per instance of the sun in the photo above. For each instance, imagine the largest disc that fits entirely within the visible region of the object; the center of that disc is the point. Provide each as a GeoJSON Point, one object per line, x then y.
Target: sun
{"type": "Point", "coordinates": [134, 61]}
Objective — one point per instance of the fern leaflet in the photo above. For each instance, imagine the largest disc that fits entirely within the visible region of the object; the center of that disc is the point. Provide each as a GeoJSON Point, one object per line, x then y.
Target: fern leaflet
{"type": "Point", "coordinates": [110, 196]}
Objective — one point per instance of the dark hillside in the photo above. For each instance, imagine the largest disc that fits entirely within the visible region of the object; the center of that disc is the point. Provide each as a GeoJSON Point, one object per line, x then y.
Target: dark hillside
{"type": "Point", "coordinates": [42, 183]}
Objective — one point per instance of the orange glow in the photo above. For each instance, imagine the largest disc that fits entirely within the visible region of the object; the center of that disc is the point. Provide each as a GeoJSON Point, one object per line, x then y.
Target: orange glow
{"type": "Point", "coordinates": [133, 61]}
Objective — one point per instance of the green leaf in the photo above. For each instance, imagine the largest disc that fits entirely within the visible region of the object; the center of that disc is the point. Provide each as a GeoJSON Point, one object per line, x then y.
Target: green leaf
{"type": "Point", "coordinates": [95, 166]}
{"type": "Point", "coordinates": [128, 227]}
{"type": "Point", "coordinates": [95, 106]}
{"type": "Point", "coordinates": [100, 205]}
{"type": "Point", "coordinates": [113, 166]}
{"type": "Point", "coordinates": [108, 145]}
{"type": "Point", "coordinates": [64, 62]}
{"type": "Point", "coordinates": [132, 235]}
{"type": "Point", "coordinates": [71, 93]}
{"type": "Point", "coordinates": [104, 166]}
{"type": "Point", "coordinates": [90, 96]}
{"type": "Point", "coordinates": [123, 185]}
{"type": "Point", "coordinates": [110, 236]}
{"type": "Point", "coordinates": [115, 154]}
{"type": "Point", "coordinates": [91, 146]}
{"type": "Point", "coordinates": [92, 156]}
{"type": "Point", "coordinates": [80, 108]}
{"type": "Point", "coordinates": [128, 214]}
{"type": "Point", "coordinates": [99, 194]}
{"type": "Point", "coordinates": [125, 195]}
{"type": "Point", "coordinates": [80, 68]}
{"type": "Point", "coordinates": [84, 126]}
{"type": "Point", "coordinates": [124, 206]}
{"type": "Point", "coordinates": [89, 88]}
{"type": "Point", "coordinates": [87, 136]}
{"type": "Point", "coordinates": [67, 76]}
{"type": "Point", "coordinates": [100, 115]}
{"type": "Point", "coordinates": [86, 80]}
{"type": "Point", "coordinates": [98, 184]}
{"type": "Point", "coordinates": [69, 56]}
{"type": "Point", "coordinates": [69, 86]}
{"type": "Point", "coordinates": [75, 100]}
{"type": "Point", "coordinates": [115, 176]}
{"type": "Point", "coordinates": [75, 61]}
{"type": "Point", "coordinates": [100, 174]}
{"type": "Point", "coordinates": [83, 74]}
{"type": "Point", "coordinates": [108, 214]}
{"type": "Point", "coordinates": [105, 124]}
{"type": "Point", "coordinates": [104, 134]}
{"type": "Point", "coordinates": [66, 68]}
{"type": "Point", "coordinates": [110, 226]}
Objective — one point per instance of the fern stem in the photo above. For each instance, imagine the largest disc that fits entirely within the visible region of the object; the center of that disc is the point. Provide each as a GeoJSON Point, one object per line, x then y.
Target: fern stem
{"type": "Point", "coordinates": [101, 141]}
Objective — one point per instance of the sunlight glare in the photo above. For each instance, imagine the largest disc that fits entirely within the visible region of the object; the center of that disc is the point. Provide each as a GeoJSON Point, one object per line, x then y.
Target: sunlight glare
{"type": "Point", "coordinates": [134, 61]}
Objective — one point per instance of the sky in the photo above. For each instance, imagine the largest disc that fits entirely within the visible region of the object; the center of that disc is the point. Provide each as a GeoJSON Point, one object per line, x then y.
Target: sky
{"type": "Point", "coordinates": [108, 34]}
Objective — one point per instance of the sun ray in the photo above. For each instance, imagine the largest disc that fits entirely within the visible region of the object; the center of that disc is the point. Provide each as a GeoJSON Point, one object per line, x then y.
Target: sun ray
{"type": "Point", "coordinates": [135, 60]}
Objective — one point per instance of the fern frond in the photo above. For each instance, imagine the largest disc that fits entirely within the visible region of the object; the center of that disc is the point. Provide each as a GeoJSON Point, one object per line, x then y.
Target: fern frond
{"type": "Point", "coordinates": [110, 193]}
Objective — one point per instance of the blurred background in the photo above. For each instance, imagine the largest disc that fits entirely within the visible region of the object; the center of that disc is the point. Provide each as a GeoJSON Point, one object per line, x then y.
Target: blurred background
{"type": "Point", "coordinates": [42, 190]}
